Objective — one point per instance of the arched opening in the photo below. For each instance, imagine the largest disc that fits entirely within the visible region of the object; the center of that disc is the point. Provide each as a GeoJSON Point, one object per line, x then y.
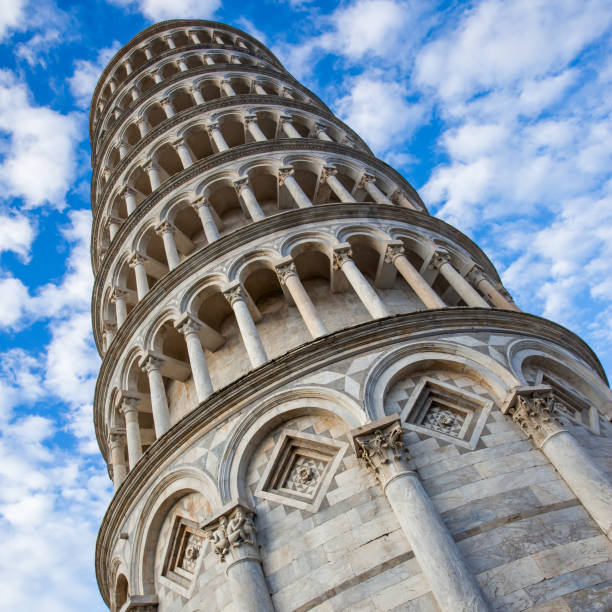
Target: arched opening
{"type": "Point", "coordinates": [194, 61]}
{"type": "Point", "coordinates": [158, 46]}
{"type": "Point", "coordinates": [226, 204]}
{"type": "Point", "coordinates": [210, 90]}
{"type": "Point", "coordinates": [121, 592]}
{"type": "Point", "coordinates": [265, 187]}
{"type": "Point", "coordinates": [168, 161]}
{"type": "Point", "coordinates": [189, 235]}
{"type": "Point", "coordinates": [167, 70]}
{"type": "Point", "coordinates": [241, 86]}
{"type": "Point", "coordinates": [232, 129]}
{"type": "Point", "coordinates": [198, 141]}
{"type": "Point", "coordinates": [138, 58]}
{"type": "Point", "coordinates": [182, 100]}
{"type": "Point", "coordinates": [180, 38]}
{"type": "Point", "coordinates": [155, 114]}
{"type": "Point", "coordinates": [146, 83]}
{"type": "Point", "coordinates": [156, 263]}
{"type": "Point", "coordinates": [132, 135]}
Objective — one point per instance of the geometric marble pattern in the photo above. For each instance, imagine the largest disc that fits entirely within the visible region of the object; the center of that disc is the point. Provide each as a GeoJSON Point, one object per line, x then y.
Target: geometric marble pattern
{"type": "Point", "coordinates": [441, 410]}
{"type": "Point", "coordinates": [300, 469]}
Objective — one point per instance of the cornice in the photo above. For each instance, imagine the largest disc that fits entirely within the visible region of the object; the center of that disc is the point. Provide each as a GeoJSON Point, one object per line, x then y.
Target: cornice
{"type": "Point", "coordinates": [168, 25]}
{"type": "Point", "coordinates": [176, 78]}
{"type": "Point", "coordinates": [309, 357]}
{"type": "Point", "coordinates": [201, 109]}
{"type": "Point", "coordinates": [236, 153]}
{"type": "Point", "coordinates": [249, 233]}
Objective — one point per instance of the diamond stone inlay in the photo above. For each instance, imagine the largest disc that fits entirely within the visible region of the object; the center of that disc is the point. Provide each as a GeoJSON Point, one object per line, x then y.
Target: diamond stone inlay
{"type": "Point", "coordinates": [444, 420]}
{"type": "Point", "coordinates": [300, 469]}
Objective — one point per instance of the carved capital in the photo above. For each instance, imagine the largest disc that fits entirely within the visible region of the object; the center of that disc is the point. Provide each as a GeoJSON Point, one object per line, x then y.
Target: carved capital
{"type": "Point", "coordinates": [118, 294]}
{"type": "Point", "coordinates": [234, 294]}
{"type": "Point", "coordinates": [210, 127]}
{"type": "Point", "coordinates": [248, 119]}
{"type": "Point", "coordinates": [110, 327]}
{"type": "Point", "coordinates": [116, 439]}
{"type": "Point", "coordinates": [126, 192]}
{"type": "Point", "coordinates": [164, 227]}
{"type": "Point", "coordinates": [366, 178]}
{"type": "Point", "coordinates": [320, 127]}
{"type": "Point", "coordinates": [136, 259]}
{"type": "Point", "coordinates": [149, 166]}
{"type": "Point", "coordinates": [188, 325]}
{"type": "Point", "coordinates": [284, 172]}
{"type": "Point", "coordinates": [241, 183]}
{"type": "Point", "coordinates": [285, 270]}
{"type": "Point", "coordinates": [285, 118]}
{"type": "Point", "coordinates": [150, 364]}
{"type": "Point", "coordinates": [476, 275]}
{"type": "Point", "coordinates": [178, 143]}
{"type": "Point", "coordinates": [393, 252]}
{"type": "Point", "coordinates": [328, 171]}
{"type": "Point", "coordinates": [380, 447]}
{"type": "Point", "coordinates": [233, 534]}
{"type": "Point", "coordinates": [199, 202]}
{"type": "Point", "coordinates": [439, 258]}
{"type": "Point", "coordinates": [534, 409]}
{"type": "Point", "coordinates": [129, 405]}
{"type": "Point", "coordinates": [165, 101]}
{"type": "Point", "coordinates": [341, 256]}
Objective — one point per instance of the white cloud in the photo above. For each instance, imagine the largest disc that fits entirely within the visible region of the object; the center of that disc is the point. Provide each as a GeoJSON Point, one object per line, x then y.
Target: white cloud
{"type": "Point", "coordinates": [86, 74]}
{"type": "Point", "coordinates": [39, 162]}
{"type": "Point", "coordinates": [379, 111]}
{"type": "Point", "coordinates": [158, 10]}
{"type": "Point", "coordinates": [12, 15]}
{"type": "Point", "coordinates": [15, 297]}
{"type": "Point", "coordinates": [16, 235]}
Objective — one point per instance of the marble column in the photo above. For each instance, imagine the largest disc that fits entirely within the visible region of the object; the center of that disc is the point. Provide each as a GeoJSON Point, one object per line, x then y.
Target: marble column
{"type": "Point", "coordinates": [136, 261]}
{"type": "Point", "coordinates": [226, 86]}
{"type": "Point", "coordinates": [118, 297]}
{"type": "Point", "coordinates": [189, 326]}
{"type": "Point", "coordinates": [157, 77]}
{"type": "Point", "coordinates": [182, 65]}
{"type": "Point", "coordinates": [328, 175]}
{"type": "Point", "coordinates": [288, 276]}
{"type": "Point", "coordinates": [113, 85]}
{"type": "Point", "coordinates": [159, 403]}
{"type": "Point", "coordinates": [285, 177]}
{"type": "Point", "coordinates": [368, 183]}
{"type": "Point", "coordinates": [321, 133]}
{"type": "Point", "coordinates": [399, 197]}
{"type": "Point", "coordinates": [257, 86]}
{"type": "Point", "coordinates": [208, 60]}
{"type": "Point", "coordinates": [115, 443]}
{"type": "Point", "coordinates": [197, 96]}
{"type": "Point", "coordinates": [195, 39]}
{"type": "Point", "coordinates": [128, 67]}
{"type": "Point", "coordinates": [250, 121]}
{"type": "Point", "coordinates": [343, 261]}
{"type": "Point", "coordinates": [129, 197]}
{"type": "Point", "coordinates": [536, 411]}
{"type": "Point", "coordinates": [395, 255]}
{"type": "Point", "coordinates": [248, 197]}
{"type": "Point", "coordinates": [286, 93]}
{"type": "Point", "coordinates": [113, 223]}
{"type": "Point", "coordinates": [134, 93]}
{"type": "Point", "coordinates": [288, 127]}
{"type": "Point", "coordinates": [233, 537]}
{"type": "Point", "coordinates": [109, 332]}
{"type": "Point", "coordinates": [168, 107]}
{"type": "Point", "coordinates": [500, 299]}
{"type": "Point", "coordinates": [143, 127]}
{"type": "Point", "coordinates": [124, 149]}
{"type": "Point", "coordinates": [184, 152]}
{"type": "Point", "coordinates": [217, 137]}
{"type": "Point", "coordinates": [152, 170]}
{"type": "Point", "coordinates": [236, 297]}
{"type": "Point", "coordinates": [380, 447]}
{"type": "Point", "coordinates": [148, 53]}
{"type": "Point", "coordinates": [129, 408]}
{"type": "Point", "coordinates": [166, 231]}
{"type": "Point", "coordinates": [170, 42]}
{"type": "Point", "coordinates": [202, 207]}
{"type": "Point", "coordinates": [441, 261]}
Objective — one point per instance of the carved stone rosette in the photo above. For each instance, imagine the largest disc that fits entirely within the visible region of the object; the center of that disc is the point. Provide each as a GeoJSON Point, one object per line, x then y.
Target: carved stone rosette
{"type": "Point", "coordinates": [233, 535]}
{"type": "Point", "coordinates": [379, 445]}
{"type": "Point", "coordinates": [534, 410]}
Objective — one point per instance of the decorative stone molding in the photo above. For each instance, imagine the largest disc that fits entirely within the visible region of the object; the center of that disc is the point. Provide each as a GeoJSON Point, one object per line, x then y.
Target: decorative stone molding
{"type": "Point", "coordinates": [188, 325]}
{"type": "Point", "coordinates": [366, 178]}
{"type": "Point", "coordinates": [165, 227]}
{"type": "Point", "coordinates": [534, 409]}
{"type": "Point", "coordinates": [233, 535]}
{"type": "Point", "coordinates": [151, 363]}
{"type": "Point", "coordinates": [393, 251]}
{"type": "Point", "coordinates": [137, 259]}
{"type": "Point", "coordinates": [284, 270]}
{"type": "Point", "coordinates": [284, 172]}
{"type": "Point", "coordinates": [234, 294]}
{"type": "Point", "coordinates": [439, 258]}
{"type": "Point", "coordinates": [341, 255]}
{"type": "Point", "coordinates": [381, 448]}
{"type": "Point", "coordinates": [328, 171]}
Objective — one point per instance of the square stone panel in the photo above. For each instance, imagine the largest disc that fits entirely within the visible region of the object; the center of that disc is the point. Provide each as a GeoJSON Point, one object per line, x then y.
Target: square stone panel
{"type": "Point", "coordinates": [184, 552]}
{"type": "Point", "coordinates": [300, 470]}
{"type": "Point", "coordinates": [446, 412]}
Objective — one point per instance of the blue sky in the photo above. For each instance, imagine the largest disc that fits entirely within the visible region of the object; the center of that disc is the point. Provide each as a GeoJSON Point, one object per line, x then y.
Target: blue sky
{"type": "Point", "coordinates": [499, 113]}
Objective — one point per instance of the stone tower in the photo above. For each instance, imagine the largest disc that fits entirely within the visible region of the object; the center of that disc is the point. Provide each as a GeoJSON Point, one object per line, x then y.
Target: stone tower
{"type": "Point", "coordinates": [313, 394]}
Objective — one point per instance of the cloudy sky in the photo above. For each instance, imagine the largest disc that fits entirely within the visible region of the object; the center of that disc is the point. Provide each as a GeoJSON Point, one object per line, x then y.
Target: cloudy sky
{"type": "Point", "coordinates": [497, 112]}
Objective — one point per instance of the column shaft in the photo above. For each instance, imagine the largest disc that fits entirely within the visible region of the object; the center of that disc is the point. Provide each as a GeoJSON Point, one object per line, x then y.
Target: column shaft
{"type": "Point", "coordinates": [344, 195]}
{"type": "Point", "coordinates": [250, 201]}
{"type": "Point", "coordinates": [120, 307]}
{"type": "Point", "coordinates": [159, 403]}
{"type": "Point", "coordinates": [154, 178]}
{"type": "Point", "coordinates": [142, 284]}
{"type": "Point", "coordinates": [172, 255]}
{"type": "Point", "coordinates": [197, 360]}
{"type": "Point", "coordinates": [130, 200]}
{"type": "Point", "coordinates": [246, 325]}
{"type": "Point", "coordinates": [117, 460]}
{"type": "Point", "coordinates": [132, 430]}
{"type": "Point", "coordinates": [198, 98]}
{"type": "Point", "coordinates": [298, 195]}
{"type": "Point", "coordinates": [208, 221]}
{"type": "Point", "coordinates": [217, 136]}
{"type": "Point", "coordinates": [250, 591]}
{"type": "Point", "coordinates": [364, 290]}
{"type": "Point", "coordinates": [376, 194]}
{"type": "Point", "coordinates": [289, 129]}
{"type": "Point", "coordinates": [255, 130]}
{"type": "Point", "coordinates": [469, 295]}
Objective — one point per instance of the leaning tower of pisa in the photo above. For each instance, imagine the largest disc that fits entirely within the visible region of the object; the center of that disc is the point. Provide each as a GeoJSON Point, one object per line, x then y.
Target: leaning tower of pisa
{"type": "Point", "coordinates": [313, 394]}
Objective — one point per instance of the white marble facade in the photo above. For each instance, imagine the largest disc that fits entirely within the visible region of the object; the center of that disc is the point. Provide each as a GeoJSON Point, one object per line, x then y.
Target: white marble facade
{"type": "Point", "coordinates": [314, 395]}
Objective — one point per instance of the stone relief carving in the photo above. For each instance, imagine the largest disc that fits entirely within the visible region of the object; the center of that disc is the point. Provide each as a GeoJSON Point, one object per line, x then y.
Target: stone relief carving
{"type": "Point", "coordinates": [233, 534]}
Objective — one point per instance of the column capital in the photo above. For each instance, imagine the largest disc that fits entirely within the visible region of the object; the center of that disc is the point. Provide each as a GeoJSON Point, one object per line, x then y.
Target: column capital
{"type": "Point", "coordinates": [234, 293]}
{"type": "Point", "coordinates": [129, 404]}
{"type": "Point", "coordinates": [341, 254]}
{"type": "Point", "coordinates": [178, 142]}
{"type": "Point", "coordinates": [250, 118]}
{"type": "Point", "coordinates": [165, 226]}
{"type": "Point", "coordinates": [284, 172]}
{"type": "Point", "coordinates": [149, 363]}
{"type": "Point", "coordinates": [393, 251]}
{"type": "Point", "coordinates": [439, 257]}
{"type": "Point", "coordinates": [118, 294]}
{"type": "Point", "coordinates": [116, 439]}
{"type": "Point", "coordinates": [534, 409]}
{"type": "Point", "coordinates": [165, 100]}
{"type": "Point", "coordinates": [320, 127]}
{"type": "Point", "coordinates": [112, 220]}
{"type": "Point", "coordinates": [149, 165]}
{"type": "Point", "coordinates": [233, 534]}
{"type": "Point", "coordinates": [108, 326]}
{"type": "Point", "coordinates": [380, 447]}
{"type": "Point", "coordinates": [200, 201]}
{"type": "Point", "coordinates": [476, 274]}
{"type": "Point", "coordinates": [142, 120]}
{"type": "Point", "coordinates": [213, 125]}
{"type": "Point", "coordinates": [241, 183]}
{"type": "Point", "coordinates": [328, 171]}
{"type": "Point", "coordinates": [127, 192]}
{"type": "Point", "coordinates": [366, 178]}
{"type": "Point", "coordinates": [136, 259]}
{"type": "Point", "coordinates": [285, 118]}
{"type": "Point", "coordinates": [188, 324]}
{"type": "Point", "coordinates": [284, 270]}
